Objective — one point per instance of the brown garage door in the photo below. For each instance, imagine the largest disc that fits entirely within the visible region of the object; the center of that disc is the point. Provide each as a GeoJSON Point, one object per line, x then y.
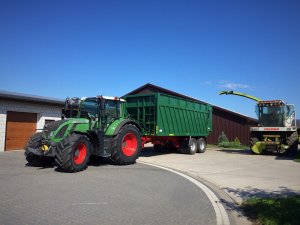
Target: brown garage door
{"type": "Point", "coordinates": [19, 127]}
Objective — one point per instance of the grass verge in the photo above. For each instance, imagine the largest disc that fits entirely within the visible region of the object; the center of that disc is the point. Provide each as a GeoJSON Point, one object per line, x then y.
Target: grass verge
{"type": "Point", "coordinates": [232, 145]}
{"type": "Point", "coordinates": [273, 211]}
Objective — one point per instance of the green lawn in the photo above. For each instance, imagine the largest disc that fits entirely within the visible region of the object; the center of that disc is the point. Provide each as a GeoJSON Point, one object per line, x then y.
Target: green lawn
{"type": "Point", "coordinates": [229, 146]}
{"type": "Point", "coordinates": [273, 211]}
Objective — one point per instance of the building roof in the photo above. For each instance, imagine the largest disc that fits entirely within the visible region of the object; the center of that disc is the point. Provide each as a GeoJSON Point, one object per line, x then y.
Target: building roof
{"type": "Point", "coordinates": [150, 88]}
{"type": "Point", "coordinates": [30, 98]}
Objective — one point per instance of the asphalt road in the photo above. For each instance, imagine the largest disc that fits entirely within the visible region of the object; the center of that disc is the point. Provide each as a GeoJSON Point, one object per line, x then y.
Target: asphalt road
{"type": "Point", "coordinates": [102, 194]}
{"type": "Point", "coordinates": [238, 173]}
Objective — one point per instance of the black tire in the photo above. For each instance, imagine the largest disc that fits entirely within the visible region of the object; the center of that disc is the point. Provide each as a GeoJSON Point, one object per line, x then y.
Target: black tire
{"type": "Point", "coordinates": [192, 149]}
{"type": "Point", "coordinates": [36, 160]}
{"type": "Point", "coordinates": [201, 145]}
{"type": "Point", "coordinates": [253, 141]}
{"type": "Point", "coordinates": [126, 146]}
{"type": "Point", "coordinates": [293, 140]}
{"type": "Point", "coordinates": [188, 146]}
{"type": "Point", "coordinates": [73, 153]}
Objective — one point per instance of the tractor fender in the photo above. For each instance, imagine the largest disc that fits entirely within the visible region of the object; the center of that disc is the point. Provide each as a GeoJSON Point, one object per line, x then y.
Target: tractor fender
{"type": "Point", "coordinates": [116, 126]}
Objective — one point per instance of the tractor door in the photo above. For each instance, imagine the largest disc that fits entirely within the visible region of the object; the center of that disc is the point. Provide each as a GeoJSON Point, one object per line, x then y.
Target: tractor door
{"type": "Point", "coordinates": [111, 112]}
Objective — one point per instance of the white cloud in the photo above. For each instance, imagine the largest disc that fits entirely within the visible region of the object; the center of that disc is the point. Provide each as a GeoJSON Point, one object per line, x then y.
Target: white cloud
{"type": "Point", "coordinates": [232, 86]}
{"type": "Point", "coordinates": [208, 82]}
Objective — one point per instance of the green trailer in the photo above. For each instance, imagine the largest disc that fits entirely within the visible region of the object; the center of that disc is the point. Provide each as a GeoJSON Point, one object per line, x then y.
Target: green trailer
{"type": "Point", "coordinates": [171, 122]}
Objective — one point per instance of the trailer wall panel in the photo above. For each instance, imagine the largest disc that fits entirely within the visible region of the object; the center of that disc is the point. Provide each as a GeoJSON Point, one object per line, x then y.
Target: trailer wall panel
{"type": "Point", "coordinates": [164, 115]}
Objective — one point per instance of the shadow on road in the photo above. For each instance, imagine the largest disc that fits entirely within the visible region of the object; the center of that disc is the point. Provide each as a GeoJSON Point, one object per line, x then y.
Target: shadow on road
{"type": "Point", "coordinates": [236, 151]}
{"type": "Point", "coordinates": [250, 192]}
{"type": "Point", "coordinates": [149, 151]}
{"type": "Point", "coordinates": [282, 156]}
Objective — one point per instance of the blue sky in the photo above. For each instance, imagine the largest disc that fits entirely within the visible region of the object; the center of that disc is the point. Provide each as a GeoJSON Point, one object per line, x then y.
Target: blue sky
{"type": "Point", "coordinates": [110, 47]}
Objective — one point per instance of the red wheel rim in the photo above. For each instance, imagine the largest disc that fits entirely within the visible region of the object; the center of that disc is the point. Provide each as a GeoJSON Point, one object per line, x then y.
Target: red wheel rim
{"type": "Point", "coordinates": [129, 144]}
{"type": "Point", "coordinates": [80, 153]}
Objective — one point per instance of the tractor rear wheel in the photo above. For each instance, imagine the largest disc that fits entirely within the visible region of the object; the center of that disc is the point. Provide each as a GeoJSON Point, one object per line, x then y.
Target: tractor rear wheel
{"type": "Point", "coordinates": [126, 146]}
{"type": "Point", "coordinates": [37, 160]}
{"type": "Point", "coordinates": [73, 153]}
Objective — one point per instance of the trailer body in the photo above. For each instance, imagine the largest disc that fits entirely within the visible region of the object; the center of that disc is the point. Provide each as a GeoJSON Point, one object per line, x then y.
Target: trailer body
{"type": "Point", "coordinates": [167, 120]}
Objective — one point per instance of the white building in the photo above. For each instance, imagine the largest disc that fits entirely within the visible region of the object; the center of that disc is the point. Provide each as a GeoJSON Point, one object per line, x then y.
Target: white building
{"type": "Point", "coordinates": [22, 115]}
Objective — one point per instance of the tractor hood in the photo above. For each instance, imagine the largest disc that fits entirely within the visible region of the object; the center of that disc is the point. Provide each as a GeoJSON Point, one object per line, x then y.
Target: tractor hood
{"type": "Point", "coordinates": [57, 130]}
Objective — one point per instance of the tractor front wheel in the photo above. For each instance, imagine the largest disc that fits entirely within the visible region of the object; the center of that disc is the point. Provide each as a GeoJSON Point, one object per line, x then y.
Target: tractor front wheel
{"type": "Point", "coordinates": [36, 160]}
{"type": "Point", "coordinates": [126, 146]}
{"type": "Point", "coordinates": [73, 154]}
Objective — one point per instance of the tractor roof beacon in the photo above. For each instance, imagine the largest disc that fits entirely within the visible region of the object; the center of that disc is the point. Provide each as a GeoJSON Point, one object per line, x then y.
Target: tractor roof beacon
{"type": "Point", "coordinates": [277, 129]}
{"type": "Point", "coordinates": [89, 126]}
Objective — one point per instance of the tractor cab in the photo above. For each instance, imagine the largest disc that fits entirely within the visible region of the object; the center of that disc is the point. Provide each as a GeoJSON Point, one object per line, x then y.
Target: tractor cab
{"type": "Point", "coordinates": [101, 109]}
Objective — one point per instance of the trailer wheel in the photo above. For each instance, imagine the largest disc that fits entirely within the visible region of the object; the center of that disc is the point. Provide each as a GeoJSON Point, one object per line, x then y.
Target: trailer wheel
{"type": "Point", "coordinates": [73, 154]}
{"type": "Point", "coordinates": [192, 149]}
{"type": "Point", "coordinates": [36, 160]}
{"type": "Point", "coordinates": [126, 146]}
{"type": "Point", "coordinates": [201, 144]}
{"type": "Point", "coordinates": [188, 146]}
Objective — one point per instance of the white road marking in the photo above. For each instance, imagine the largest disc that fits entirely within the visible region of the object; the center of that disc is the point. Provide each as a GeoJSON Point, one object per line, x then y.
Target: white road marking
{"type": "Point", "coordinates": [221, 214]}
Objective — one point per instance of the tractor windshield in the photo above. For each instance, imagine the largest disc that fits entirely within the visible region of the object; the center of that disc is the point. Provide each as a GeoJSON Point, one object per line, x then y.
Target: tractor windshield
{"type": "Point", "coordinates": [89, 107]}
{"type": "Point", "coordinates": [271, 116]}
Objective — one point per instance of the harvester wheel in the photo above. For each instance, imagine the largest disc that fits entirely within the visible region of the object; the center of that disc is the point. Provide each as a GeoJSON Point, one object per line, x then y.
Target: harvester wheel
{"type": "Point", "coordinates": [201, 143]}
{"type": "Point", "coordinates": [253, 141]}
{"type": "Point", "coordinates": [293, 142]}
{"type": "Point", "coordinates": [126, 146]}
{"type": "Point", "coordinates": [73, 153]}
{"type": "Point", "coordinates": [36, 160]}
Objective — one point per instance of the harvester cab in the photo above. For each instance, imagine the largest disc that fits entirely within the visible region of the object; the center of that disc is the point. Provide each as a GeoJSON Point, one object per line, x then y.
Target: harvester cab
{"type": "Point", "coordinates": [275, 113]}
{"type": "Point", "coordinates": [277, 129]}
{"type": "Point", "coordinates": [89, 126]}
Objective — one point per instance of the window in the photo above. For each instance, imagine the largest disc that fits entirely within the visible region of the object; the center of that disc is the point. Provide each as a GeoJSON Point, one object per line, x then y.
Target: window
{"type": "Point", "coordinates": [89, 108]}
{"type": "Point", "coordinates": [48, 121]}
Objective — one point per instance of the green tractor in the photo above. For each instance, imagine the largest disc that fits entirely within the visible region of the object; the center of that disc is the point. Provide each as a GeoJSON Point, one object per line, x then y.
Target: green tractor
{"type": "Point", "coordinates": [89, 126]}
{"type": "Point", "coordinates": [277, 130]}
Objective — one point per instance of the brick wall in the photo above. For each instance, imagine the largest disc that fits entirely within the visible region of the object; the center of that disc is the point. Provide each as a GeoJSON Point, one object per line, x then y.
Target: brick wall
{"type": "Point", "coordinates": [44, 112]}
